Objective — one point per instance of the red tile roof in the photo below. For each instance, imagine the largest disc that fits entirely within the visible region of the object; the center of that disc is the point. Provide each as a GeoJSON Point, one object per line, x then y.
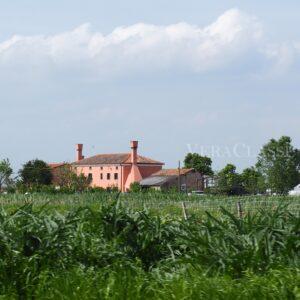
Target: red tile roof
{"type": "Point", "coordinates": [56, 165]}
{"type": "Point", "coordinates": [172, 172]}
{"type": "Point", "coordinates": [119, 158]}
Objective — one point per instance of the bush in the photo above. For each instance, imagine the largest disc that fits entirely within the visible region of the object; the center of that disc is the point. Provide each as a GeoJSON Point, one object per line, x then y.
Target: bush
{"type": "Point", "coordinates": [135, 187]}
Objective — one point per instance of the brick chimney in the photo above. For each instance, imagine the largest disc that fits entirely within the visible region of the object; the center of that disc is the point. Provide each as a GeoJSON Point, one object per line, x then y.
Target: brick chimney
{"type": "Point", "coordinates": [135, 174]}
{"type": "Point", "coordinates": [134, 155]}
{"type": "Point", "coordinates": [79, 155]}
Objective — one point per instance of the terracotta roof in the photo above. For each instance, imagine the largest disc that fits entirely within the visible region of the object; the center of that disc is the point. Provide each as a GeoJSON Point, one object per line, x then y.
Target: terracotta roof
{"type": "Point", "coordinates": [119, 158]}
{"type": "Point", "coordinates": [172, 172]}
{"type": "Point", "coordinates": [56, 165]}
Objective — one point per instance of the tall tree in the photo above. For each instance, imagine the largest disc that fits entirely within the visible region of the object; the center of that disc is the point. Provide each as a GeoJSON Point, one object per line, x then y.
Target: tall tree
{"type": "Point", "coordinates": [229, 181]}
{"type": "Point", "coordinates": [252, 181]}
{"type": "Point", "coordinates": [279, 162]}
{"type": "Point", "coordinates": [201, 164]}
{"type": "Point", "coordinates": [5, 173]}
{"type": "Point", "coordinates": [36, 172]}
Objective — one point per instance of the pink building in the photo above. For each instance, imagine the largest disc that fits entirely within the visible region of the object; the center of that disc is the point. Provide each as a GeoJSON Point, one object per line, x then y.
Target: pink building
{"type": "Point", "coordinates": [115, 170]}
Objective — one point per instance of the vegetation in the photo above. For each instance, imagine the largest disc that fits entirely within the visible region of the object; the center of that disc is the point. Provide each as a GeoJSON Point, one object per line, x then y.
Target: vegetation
{"type": "Point", "coordinates": [67, 179]}
{"type": "Point", "coordinates": [201, 164]}
{"type": "Point", "coordinates": [135, 187]}
{"type": "Point", "coordinates": [276, 172]}
{"type": "Point", "coordinates": [35, 172]}
{"type": "Point", "coordinates": [252, 181]}
{"type": "Point", "coordinates": [90, 250]}
{"type": "Point", "coordinates": [78, 242]}
{"type": "Point", "coordinates": [229, 181]}
{"type": "Point", "coordinates": [279, 162]}
{"type": "Point", "coordinates": [5, 173]}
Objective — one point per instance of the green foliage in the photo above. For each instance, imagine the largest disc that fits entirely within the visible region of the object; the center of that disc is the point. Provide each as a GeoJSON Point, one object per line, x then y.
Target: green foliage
{"type": "Point", "coordinates": [185, 283]}
{"type": "Point", "coordinates": [135, 187]}
{"type": "Point", "coordinates": [201, 164]}
{"type": "Point", "coordinates": [89, 252]}
{"type": "Point", "coordinates": [67, 179]}
{"type": "Point", "coordinates": [279, 162]}
{"type": "Point", "coordinates": [5, 173]}
{"type": "Point", "coordinates": [64, 176]}
{"type": "Point", "coordinates": [256, 243]}
{"type": "Point", "coordinates": [229, 181]}
{"type": "Point", "coordinates": [79, 182]}
{"type": "Point", "coordinates": [252, 181]}
{"type": "Point", "coordinates": [36, 172]}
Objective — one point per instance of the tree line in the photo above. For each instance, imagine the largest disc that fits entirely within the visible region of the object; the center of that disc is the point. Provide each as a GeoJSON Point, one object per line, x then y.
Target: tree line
{"type": "Point", "coordinates": [37, 176]}
{"type": "Point", "coordinates": [276, 171]}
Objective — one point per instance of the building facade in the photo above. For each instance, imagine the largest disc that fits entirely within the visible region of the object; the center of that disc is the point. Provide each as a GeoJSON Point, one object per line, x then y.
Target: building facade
{"type": "Point", "coordinates": [115, 170]}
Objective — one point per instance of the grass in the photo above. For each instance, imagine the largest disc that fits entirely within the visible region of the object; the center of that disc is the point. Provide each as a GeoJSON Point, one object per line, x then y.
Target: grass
{"type": "Point", "coordinates": [93, 246]}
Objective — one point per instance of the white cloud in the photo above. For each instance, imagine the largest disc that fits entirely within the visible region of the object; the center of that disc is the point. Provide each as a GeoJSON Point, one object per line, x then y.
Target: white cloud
{"type": "Point", "coordinates": [142, 47]}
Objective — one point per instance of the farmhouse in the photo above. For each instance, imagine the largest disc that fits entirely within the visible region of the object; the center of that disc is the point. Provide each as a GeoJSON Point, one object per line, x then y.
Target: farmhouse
{"type": "Point", "coordinates": [187, 179]}
{"type": "Point", "coordinates": [118, 170]}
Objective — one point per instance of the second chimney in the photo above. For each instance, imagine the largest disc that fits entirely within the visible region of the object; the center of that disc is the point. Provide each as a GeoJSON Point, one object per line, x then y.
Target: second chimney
{"type": "Point", "coordinates": [134, 155]}
{"type": "Point", "coordinates": [79, 155]}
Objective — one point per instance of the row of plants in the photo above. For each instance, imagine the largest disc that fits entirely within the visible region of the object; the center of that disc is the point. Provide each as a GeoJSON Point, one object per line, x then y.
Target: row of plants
{"type": "Point", "coordinates": [111, 251]}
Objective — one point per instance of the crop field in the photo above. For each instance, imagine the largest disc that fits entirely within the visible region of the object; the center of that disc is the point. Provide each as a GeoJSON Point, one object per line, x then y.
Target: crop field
{"type": "Point", "coordinates": [149, 246]}
{"type": "Point", "coordinates": [157, 202]}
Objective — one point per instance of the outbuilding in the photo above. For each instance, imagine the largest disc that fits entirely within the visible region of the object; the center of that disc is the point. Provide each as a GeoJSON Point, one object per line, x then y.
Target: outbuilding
{"type": "Point", "coordinates": [166, 179]}
{"type": "Point", "coordinates": [295, 191]}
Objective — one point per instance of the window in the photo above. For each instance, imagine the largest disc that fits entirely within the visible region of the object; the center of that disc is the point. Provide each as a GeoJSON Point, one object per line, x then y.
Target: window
{"type": "Point", "coordinates": [90, 177]}
{"type": "Point", "coordinates": [101, 176]}
{"type": "Point", "coordinates": [117, 168]}
{"type": "Point", "coordinates": [108, 176]}
{"type": "Point", "coordinates": [90, 168]}
{"type": "Point", "coordinates": [101, 168]}
{"type": "Point", "coordinates": [116, 176]}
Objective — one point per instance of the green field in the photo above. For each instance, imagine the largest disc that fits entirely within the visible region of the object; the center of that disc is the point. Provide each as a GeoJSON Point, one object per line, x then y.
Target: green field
{"type": "Point", "coordinates": [139, 246]}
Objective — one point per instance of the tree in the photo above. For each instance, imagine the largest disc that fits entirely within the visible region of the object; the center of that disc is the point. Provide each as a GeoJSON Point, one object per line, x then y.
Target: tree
{"type": "Point", "coordinates": [66, 177]}
{"type": "Point", "coordinates": [279, 163]}
{"type": "Point", "coordinates": [229, 181]}
{"type": "Point", "coordinates": [79, 182]}
{"type": "Point", "coordinates": [135, 187]}
{"type": "Point", "coordinates": [252, 181]}
{"type": "Point", "coordinates": [36, 172]}
{"type": "Point", "coordinates": [63, 176]}
{"type": "Point", "coordinates": [5, 173]}
{"type": "Point", "coordinates": [201, 164]}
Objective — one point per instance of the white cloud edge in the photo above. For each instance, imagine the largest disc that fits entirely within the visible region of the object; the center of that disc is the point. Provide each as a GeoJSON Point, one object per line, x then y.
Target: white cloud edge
{"type": "Point", "coordinates": [234, 37]}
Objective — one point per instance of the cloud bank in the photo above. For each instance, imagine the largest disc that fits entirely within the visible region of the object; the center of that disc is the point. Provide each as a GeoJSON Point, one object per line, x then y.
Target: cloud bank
{"type": "Point", "coordinates": [233, 38]}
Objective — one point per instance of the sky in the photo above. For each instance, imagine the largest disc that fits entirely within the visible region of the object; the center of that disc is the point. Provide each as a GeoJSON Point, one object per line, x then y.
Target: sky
{"type": "Point", "coordinates": [219, 78]}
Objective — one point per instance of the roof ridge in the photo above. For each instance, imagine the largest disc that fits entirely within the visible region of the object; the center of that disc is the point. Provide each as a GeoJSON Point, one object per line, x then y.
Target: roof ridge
{"type": "Point", "coordinates": [115, 158]}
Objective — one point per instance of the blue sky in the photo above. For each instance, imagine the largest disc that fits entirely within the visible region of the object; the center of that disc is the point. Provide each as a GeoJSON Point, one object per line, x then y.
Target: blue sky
{"type": "Point", "coordinates": [215, 77]}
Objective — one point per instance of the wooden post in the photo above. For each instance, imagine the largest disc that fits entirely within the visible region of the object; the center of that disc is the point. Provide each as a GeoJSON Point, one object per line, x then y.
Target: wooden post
{"type": "Point", "coordinates": [239, 209]}
{"type": "Point", "coordinates": [184, 211]}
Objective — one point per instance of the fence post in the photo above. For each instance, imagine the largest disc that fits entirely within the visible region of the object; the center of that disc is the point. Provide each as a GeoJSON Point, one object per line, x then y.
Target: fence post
{"type": "Point", "coordinates": [239, 209]}
{"type": "Point", "coordinates": [184, 210]}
